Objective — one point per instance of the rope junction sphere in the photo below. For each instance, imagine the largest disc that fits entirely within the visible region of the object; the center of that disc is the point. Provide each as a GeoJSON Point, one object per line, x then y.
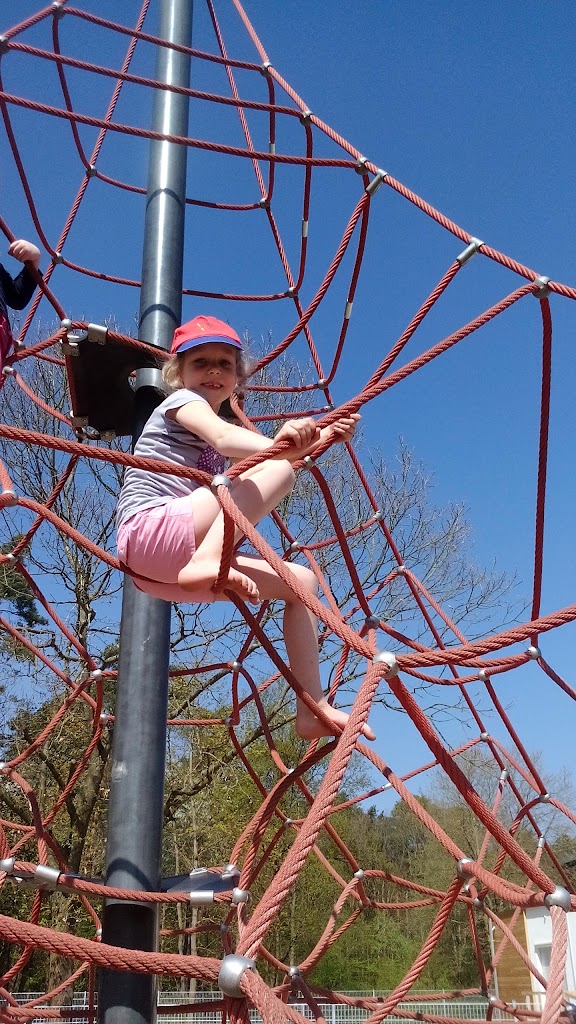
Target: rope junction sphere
{"type": "Point", "coordinates": [279, 822]}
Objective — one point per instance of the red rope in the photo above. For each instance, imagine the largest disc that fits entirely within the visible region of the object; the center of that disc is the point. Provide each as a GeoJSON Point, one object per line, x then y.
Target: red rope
{"type": "Point", "coordinates": [467, 664]}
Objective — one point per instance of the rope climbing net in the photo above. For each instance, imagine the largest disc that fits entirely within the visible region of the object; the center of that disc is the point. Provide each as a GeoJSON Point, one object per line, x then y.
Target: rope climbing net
{"type": "Point", "coordinates": [493, 885]}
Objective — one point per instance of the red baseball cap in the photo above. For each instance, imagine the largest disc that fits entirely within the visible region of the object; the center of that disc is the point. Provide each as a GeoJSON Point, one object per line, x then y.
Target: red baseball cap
{"type": "Point", "coordinates": [201, 331]}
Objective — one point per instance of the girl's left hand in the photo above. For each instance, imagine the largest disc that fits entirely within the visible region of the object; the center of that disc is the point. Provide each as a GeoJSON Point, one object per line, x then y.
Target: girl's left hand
{"type": "Point", "coordinates": [345, 427]}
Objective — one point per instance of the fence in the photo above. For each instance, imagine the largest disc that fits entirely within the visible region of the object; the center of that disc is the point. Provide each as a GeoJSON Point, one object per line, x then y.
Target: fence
{"type": "Point", "coordinates": [465, 1009]}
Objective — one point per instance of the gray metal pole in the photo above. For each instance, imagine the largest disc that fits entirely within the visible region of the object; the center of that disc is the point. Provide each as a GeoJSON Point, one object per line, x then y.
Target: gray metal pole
{"type": "Point", "coordinates": [134, 844]}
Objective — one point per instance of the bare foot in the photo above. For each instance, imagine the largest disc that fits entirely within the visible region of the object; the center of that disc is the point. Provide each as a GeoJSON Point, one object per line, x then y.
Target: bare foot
{"type": "Point", "coordinates": [201, 573]}
{"type": "Point", "coordinates": [308, 727]}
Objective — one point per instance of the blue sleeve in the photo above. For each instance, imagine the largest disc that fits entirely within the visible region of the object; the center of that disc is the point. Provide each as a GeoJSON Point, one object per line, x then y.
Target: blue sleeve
{"type": "Point", "coordinates": [17, 291]}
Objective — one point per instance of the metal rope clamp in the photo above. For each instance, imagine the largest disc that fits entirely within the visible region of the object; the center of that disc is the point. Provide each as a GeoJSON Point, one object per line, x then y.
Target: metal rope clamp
{"type": "Point", "coordinates": [559, 898]}
{"type": "Point", "coordinates": [377, 180]}
{"type": "Point", "coordinates": [231, 972]}
{"type": "Point", "coordinates": [389, 659]}
{"type": "Point", "coordinates": [220, 480]}
{"type": "Point", "coordinates": [470, 251]}
{"type": "Point", "coordinates": [46, 877]}
{"type": "Point", "coordinates": [544, 290]}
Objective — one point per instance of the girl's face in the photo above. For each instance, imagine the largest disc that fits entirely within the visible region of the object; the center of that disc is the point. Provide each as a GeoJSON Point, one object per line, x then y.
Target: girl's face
{"type": "Point", "coordinates": [210, 370]}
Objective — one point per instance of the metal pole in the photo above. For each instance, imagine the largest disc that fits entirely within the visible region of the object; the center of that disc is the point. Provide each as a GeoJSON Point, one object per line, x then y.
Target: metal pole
{"type": "Point", "coordinates": [134, 843]}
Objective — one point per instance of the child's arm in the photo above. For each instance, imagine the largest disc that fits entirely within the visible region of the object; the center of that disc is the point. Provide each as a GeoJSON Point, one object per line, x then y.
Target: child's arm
{"type": "Point", "coordinates": [235, 442]}
{"type": "Point", "coordinates": [19, 290]}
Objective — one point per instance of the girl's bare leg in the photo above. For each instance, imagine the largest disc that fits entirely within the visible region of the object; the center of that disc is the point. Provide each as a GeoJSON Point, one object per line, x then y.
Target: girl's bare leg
{"type": "Point", "coordinates": [301, 639]}
{"type": "Point", "coordinates": [256, 493]}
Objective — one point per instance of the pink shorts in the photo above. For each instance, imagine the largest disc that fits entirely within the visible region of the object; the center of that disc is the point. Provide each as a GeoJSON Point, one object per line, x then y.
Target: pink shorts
{"type": "Point", "coordinates": [156, 543]}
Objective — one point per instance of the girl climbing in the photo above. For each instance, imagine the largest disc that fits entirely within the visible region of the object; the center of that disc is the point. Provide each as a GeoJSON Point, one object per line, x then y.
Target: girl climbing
{"type": "Point", "coordinates": [171, 530]}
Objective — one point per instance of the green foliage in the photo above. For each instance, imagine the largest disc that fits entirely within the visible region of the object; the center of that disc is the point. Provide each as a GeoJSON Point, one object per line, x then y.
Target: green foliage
{"type": "Point", "coordinates": [15, 590]}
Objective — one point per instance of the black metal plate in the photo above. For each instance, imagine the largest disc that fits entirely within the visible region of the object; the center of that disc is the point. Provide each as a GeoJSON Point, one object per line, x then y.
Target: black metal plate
{"type": "Point", "coordinates": [98, 378]}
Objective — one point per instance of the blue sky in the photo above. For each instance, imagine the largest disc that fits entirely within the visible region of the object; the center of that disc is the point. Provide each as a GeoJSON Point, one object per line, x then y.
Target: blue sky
{"type": "Point", "coordinates": [471, 106]}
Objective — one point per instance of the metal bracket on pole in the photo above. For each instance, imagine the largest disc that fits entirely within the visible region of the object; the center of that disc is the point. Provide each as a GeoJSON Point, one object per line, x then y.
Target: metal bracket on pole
{"type": "Point", "coordinates": [202, 884]}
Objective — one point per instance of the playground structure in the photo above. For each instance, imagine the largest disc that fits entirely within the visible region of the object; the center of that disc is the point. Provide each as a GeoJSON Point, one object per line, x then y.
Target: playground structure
{"type": "Point", "coordinates": [93, 352]}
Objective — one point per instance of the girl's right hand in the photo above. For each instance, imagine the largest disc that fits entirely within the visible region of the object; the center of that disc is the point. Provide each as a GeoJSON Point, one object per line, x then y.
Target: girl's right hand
{"type": "Point", "coordinates": [301, 433]}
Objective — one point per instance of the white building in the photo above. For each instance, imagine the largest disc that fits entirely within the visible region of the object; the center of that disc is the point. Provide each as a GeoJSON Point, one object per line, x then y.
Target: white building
{"type": "Point", "coordinates": [533, 930]}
